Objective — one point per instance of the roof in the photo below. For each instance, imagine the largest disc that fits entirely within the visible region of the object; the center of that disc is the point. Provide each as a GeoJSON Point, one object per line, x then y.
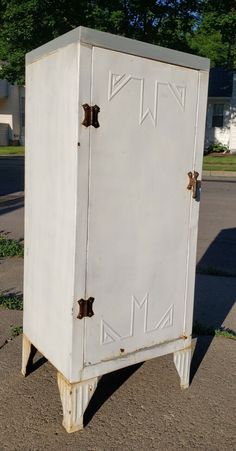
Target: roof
{"type": "Point", "coordinates": [119, 44]}
{"type": "Point", "coordinates": [220, 82]}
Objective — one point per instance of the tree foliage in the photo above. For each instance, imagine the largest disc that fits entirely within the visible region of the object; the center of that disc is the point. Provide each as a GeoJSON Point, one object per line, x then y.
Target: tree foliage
{"type": "Point", "coordinates": [205, 27]}
{"type": "Point", "coordinates": [215, 37]}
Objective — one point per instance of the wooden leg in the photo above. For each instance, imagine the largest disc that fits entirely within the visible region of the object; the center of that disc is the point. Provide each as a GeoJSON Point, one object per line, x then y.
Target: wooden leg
{"type": "Point", "coordinates": [75, 398]}
{"type": "Point", "coordinates": [182, 361]}
{"type": "Point", "coordinates": [28, 352]}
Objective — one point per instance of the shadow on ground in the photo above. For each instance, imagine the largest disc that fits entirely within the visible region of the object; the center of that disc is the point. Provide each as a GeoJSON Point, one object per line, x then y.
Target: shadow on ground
{"type": "Point", "coordinates": [214, 296]}
{"type": "Point", "coordinates": [11, 175]}
{"type": "Point", "coordinates": [107, 385]}
{"type": "Point", "coordinates": [221, 254]}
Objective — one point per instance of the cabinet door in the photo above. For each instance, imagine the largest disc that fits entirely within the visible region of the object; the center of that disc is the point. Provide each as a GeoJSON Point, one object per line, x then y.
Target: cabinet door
{"type": "Point", "coordinates": [139, 207]}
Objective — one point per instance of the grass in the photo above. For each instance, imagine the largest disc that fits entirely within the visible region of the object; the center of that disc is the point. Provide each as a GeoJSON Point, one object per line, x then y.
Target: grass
{"type": "Point", "coordinates": [225, 332]}
{"type": "Point", "coordinates": [10, 247]}
{"type": "Point", "coordinates": [16, 331]}
{"type": "Point", "coordinates": [219, 163]}
{"type": "Point", "coordinates": [12, 150]}
{"type": "Point", "coordinates": [12, 301]}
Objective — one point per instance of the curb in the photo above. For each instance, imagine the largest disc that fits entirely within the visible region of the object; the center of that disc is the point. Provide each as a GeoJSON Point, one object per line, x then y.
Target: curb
{"type": "Point", "coordinates": [225, 174]}
{"type": "Point", "coordinates": [7, 157]}
{"type": "Point", "coordinates": [230, 174]}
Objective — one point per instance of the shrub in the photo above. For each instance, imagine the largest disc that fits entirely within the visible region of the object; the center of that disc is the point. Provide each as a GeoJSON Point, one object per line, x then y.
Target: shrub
{"type": "Point", "coordinates": [10, 247]}
{"type": "Point", "coordinates": [218, 147]}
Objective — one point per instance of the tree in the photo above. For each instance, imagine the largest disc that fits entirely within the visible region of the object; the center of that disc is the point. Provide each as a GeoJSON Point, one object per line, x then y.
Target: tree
{"type": "Point", "coordinates": [215, 36]}
{"type": "Point", "coordinates": [27, 24]}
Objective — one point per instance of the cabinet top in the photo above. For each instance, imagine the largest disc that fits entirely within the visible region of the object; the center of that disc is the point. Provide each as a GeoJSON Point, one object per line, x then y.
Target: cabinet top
{"type": "Point", "coordinates": [119, 44]}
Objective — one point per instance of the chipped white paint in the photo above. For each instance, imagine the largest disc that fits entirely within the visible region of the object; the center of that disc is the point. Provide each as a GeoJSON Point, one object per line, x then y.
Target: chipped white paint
{"type": "Point", "coordinates": [113, 218]}
{"type": "Point", "coordinates": [182, 361]}
{"type": "Point", "coordinates": [75, 399]}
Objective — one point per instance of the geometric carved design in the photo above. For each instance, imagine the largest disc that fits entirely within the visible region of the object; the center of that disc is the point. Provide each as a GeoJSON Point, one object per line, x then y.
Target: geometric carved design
{"type": "Point", "coordinates": [166, 320]}
{"type": "Point", "coordinates": [136, 304]}
{"type": "Point", "coordinates": [179, 93]}
{"type": "Point", "coordinates": [75, 398]}
{"type": "Point", "coordinates": [117, 82]}
{"type": "Point", "coordinates": [109, 335]}
{"type": "Point", "coordinates": [148, 112]}
{"type": "Point", "coordinates": [182, 361]}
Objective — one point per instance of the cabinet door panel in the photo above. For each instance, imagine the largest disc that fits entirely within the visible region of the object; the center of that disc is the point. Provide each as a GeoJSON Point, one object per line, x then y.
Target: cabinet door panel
{"type": "Point", "coordinates": [139, 207]}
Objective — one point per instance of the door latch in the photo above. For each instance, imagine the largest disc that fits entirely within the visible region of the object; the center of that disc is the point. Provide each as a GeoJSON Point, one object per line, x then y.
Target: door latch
{"type": "Point", "coordinates": [91, 115]}
{"type": "Point", "coordinates": [85, 308]}
{"type": "Point", "coordinates": [193, 184]}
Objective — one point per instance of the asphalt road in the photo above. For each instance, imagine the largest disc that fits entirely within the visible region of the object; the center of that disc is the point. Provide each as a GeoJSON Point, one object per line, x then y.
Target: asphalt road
{"type": "Point", "coordinates": [140, 407]}
{"type": "Point", "coordinates": [11, 175]}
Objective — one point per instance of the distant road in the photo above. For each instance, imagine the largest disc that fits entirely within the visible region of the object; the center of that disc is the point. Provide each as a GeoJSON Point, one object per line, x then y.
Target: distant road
{"type": "Point", "coordinates": [11, 174]}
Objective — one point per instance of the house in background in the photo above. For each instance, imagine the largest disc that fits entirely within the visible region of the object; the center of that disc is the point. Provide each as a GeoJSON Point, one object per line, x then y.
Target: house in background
{"type": "Point", "coordinates": [221, 110]}
{"type": "Point", "coordinates": [12, 114]}
{"type": "Point", "coordinates": [220, 121]}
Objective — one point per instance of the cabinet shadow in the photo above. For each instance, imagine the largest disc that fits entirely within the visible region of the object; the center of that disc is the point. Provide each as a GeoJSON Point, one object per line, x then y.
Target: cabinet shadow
{"type": "Point", "coordinates": [215, 290]}
{"type": "Point", "coordinates": [107, 385]}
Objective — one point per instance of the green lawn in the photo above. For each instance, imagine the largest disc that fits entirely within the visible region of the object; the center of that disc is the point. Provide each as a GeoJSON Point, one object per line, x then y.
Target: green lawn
{"type": "Point", "coordinates": [210, 163]}
{"type": "Point", "coordinates": [219, 163]}
{"type": "Point", "coordinates": [12, 150]}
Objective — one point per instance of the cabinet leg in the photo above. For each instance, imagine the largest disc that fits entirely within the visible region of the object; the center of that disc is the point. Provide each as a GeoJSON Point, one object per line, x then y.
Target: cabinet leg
{"type": "Point", "coordinates": [28, 352]}
{"type": "Point", "coordinates": [75, 398]}
{"type": "Point", "coordinates": [182, 361]}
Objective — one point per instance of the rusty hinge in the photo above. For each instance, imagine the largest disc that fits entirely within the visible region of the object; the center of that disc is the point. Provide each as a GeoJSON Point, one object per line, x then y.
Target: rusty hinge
{"type": "Point", "coordinates": [194, 184]}
{"type": "Point", "coordinates": [91, 115]}
{"type": "Point", "coordinates": [85, 308]}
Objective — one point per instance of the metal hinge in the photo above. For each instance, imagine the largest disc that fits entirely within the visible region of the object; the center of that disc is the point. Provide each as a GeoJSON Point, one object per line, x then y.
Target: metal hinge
{"type": "Point", "coordinates": [91, 115]}
{"type": "Point", "coordinates": [85, 308]}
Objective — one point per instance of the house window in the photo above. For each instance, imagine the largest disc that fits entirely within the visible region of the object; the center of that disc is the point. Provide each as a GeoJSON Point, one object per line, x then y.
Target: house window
{"type": "Point", "coordinates": [218, 115]}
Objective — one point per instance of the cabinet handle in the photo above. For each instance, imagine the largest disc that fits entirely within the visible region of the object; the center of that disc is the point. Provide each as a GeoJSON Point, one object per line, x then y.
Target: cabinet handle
{"type": "Point", "coordinates": [193, 184]}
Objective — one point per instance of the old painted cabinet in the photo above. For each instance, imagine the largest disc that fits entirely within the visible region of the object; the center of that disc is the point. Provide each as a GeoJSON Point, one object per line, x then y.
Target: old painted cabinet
{"type": "Point", "coordinates": [108, 213]}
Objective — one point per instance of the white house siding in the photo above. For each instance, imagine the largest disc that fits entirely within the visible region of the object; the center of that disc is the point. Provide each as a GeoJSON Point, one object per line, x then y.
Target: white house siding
{"type": "Point", "coordinates": [4, 134]}
{"type": "Point", "coordinates": [6, 119]}
{"type": "Point", "coordinates": [227, 134]}
{"type": "Point", "coordinates": [11, 112]}
{"type": "Point", "coordinates": [218, 134]}
{"type": "Point", "coordinates": [232, 141]}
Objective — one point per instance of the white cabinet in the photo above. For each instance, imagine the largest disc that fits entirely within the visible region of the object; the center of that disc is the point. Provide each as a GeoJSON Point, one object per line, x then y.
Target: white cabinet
{"type": "Point", "coordinates": [109, 218]}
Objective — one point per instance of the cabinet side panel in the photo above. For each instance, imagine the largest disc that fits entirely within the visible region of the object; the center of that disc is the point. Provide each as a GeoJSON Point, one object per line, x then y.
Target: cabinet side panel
{"type": "Point", "coordinates": [50, 215]}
